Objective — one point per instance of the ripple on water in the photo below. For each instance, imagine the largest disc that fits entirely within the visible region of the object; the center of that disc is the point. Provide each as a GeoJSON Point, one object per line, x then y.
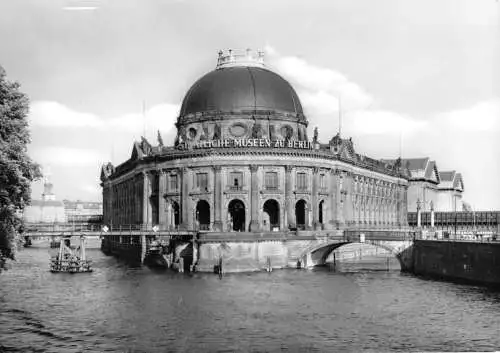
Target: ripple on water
{"type": "Point", "coordinates": [119, 308]}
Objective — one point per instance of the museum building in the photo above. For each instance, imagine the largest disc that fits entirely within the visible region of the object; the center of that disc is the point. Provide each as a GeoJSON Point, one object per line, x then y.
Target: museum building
{"type": "Point", "coordinates": [242, 161]}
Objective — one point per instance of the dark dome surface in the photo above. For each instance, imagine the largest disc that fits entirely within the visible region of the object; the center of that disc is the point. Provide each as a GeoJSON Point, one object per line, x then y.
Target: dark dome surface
{"type": "Point", "coordinates": [241, 88]}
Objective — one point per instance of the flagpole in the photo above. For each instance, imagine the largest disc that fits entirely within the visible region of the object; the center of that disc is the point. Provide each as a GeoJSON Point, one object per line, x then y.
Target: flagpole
{"type": "Point", "coordinates": [144, 118]}
{"type": "Point", "coordinates": [340, 115]}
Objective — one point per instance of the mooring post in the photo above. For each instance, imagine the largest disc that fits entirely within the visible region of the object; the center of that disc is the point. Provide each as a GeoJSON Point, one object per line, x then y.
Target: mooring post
{"type": "Point", "coordinates": [82, 248]}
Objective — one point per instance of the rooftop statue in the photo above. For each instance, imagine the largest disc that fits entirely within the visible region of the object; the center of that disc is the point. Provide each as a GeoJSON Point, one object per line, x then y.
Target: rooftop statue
{"type": "Point", "coordinates": [315, 138]}
{"type": "Point", "coordinates": [160, 140]}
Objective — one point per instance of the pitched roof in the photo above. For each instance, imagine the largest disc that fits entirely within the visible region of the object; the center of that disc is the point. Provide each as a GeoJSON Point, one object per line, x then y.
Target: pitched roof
{"type": "Point", "coordinates": [420, 168]}
{"type": "Point", "coordinates": [432, 172]}
{"type": "Point", "coordinates": [415, 163]}
{"type": "Point", "coordinates": [447, 176]}
{"type": "Point", "coordinates": [411, 163]}
{"type": "Point", "coordinates": [451, 180]}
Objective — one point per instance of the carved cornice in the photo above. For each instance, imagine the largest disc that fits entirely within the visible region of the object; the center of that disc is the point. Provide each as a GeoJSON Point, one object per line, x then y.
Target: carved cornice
{"type": "Point", "coordinates": [311, 155]}
{"type": "Point", "coordinates": [236, 192]}
{"type": "Point", "coordinates": [251, 115]}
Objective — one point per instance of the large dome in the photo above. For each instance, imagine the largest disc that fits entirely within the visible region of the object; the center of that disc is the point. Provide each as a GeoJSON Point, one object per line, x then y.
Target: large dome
{"type": "Point", "coordinates": [240, 89]}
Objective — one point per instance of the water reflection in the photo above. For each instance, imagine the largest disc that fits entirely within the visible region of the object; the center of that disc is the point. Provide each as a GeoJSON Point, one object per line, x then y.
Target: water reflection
{"type": "Point", "coordinates": [356, 306]}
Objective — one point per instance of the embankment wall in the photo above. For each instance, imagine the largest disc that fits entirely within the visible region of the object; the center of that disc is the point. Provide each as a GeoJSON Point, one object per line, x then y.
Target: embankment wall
{"type": "Point", "coordinates": [455, 260]}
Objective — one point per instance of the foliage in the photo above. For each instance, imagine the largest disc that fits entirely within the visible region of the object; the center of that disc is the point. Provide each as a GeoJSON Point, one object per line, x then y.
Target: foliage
{"type": "Point", "coordinates": [17, 170]}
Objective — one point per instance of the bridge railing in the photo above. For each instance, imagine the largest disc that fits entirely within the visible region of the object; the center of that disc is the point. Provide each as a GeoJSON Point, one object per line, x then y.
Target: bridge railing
{"type": "Point", "coordinates": [34, 228]}
{"type": "Point", "coordinates": [380, 234]}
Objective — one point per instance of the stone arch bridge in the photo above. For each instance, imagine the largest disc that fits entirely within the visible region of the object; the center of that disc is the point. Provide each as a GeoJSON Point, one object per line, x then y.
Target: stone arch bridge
{"type": "Point", "coordinates": [316, 252]}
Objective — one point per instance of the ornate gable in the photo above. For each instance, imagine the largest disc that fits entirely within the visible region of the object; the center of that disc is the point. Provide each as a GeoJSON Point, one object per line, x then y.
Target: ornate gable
{"type": "Point", "coordinates": [458, 183]}
{"type": "Point", "coordinates": [106, 171]}
{"type": "Point", "coordinates": [431, 172]}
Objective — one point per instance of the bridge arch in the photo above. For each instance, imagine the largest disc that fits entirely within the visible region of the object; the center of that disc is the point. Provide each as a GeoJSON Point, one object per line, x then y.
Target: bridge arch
{"type": "Point", "coordinates": [317, 254]}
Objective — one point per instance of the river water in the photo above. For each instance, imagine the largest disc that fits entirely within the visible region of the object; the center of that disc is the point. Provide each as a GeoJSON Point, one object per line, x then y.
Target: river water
{"type": "Point", "coordinates": [353, 307]}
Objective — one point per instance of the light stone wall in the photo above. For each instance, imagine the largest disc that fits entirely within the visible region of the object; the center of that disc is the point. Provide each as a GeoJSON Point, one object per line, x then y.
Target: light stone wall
{"type": "Point", "coordinates": [449, 201]}
{"type": "Point", "coordinates": [425, 192]}
{"type": "Point", "coordinates": [360, 198]}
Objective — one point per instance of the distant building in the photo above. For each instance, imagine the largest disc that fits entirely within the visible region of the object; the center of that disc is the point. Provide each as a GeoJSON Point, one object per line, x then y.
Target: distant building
{"type": "Point", "coordinates": [429, 187]}
{"type": "Point", "coordinates": [46, 210]}
{"type": "Point", "coordinates": [83, 211]}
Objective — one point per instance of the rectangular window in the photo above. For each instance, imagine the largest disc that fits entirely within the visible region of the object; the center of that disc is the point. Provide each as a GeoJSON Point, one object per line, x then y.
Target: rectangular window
{"type": "Point", "coordinates": [271, 180]}
{"type": "Point", "coordinates": [236, 180]}
{"type": "Point", "coordinates": [155, 187]}
{"type": "Point", "coordinates": [322, 181]}
{"type": "Point", "coordinates": [172, 183]}
{"type": "Point", "coordinates": [202, 181]}
{"type": "Point", "coordinates": [301, 181]}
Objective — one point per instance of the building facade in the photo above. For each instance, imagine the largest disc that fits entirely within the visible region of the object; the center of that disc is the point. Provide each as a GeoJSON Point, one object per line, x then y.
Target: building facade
{"type": "Point", "coordinates": [429, 188]}
{"type": "Point", "coordinates": [83, 212]}
{"type": "Point", "coordinates": [242, 162]}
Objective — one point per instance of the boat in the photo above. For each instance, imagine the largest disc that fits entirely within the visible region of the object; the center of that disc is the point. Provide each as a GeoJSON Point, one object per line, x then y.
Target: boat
{"type": "Point", "coordinates": [70, 260]}
{"type": "Point", "coordinates": [156, 256]}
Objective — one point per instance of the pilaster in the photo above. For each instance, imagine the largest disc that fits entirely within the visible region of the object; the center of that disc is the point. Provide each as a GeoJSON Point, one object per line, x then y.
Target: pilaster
{"type": "Point", "coordinates": [217, 198]}
{"type": "Point", "coordinates": [184, 206]}
{"type": "Point", "coordinates": [162, 216]}
{"type": "Point", "coordinates": [146, 203]}
{"type": "Point", "coordinates": [333, 199]}
{"type": "Point", "coordinates": [314, 198]}
{"type": "Point", "coordinates": [254, 196]}
{"type": "Point", "coordinates": [289, 211]}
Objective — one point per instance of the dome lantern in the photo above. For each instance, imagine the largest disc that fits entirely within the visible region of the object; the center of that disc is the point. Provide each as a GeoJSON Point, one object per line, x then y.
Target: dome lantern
{"type": "Point", "coordinates": [232, 58]}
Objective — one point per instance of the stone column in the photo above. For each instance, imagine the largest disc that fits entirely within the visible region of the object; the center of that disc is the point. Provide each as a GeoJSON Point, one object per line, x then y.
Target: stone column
{"type": "Point", "coordinates": [254, 196]}
{"type": "Point", "coordinates": [432, 214]}
{"type": "Point", "coordinates": [314, 198]}
{"type": "Point", "coordinates": [333, 199]}
{"type": "Point", "coordinates": [347, 206]}
{"type": "Point", "coordinates": [289, 214]}
{"type": "Point", "coordinates": [162, 190]}
{"type": "Point", "coordinates": [341, 199]}
{"type": "Point", "coordinates": [185, 204]}
{"type": "Point", "coordinates": [146, 204]}
{"type": "Point", "coordinates": [419, 215]}
{"type": "Point", "coordinates": [218, 198]}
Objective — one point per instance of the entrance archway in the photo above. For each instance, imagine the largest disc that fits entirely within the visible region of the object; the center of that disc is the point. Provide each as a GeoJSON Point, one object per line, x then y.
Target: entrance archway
{"type": "Point", "coordinates": [203, 214]}
{"type": "Point", "coordinates": [300, 214]}
{"type": "Point", "coordinates": [236, 209]}
{"type": "Point", "coordinates": [320, 212]}
{"type": "Point", "coordinates": [272, 209]}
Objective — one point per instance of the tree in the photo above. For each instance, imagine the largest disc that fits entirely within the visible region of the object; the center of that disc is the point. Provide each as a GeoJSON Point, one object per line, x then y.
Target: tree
{"type": "Point", "coordinates": [17, 170]}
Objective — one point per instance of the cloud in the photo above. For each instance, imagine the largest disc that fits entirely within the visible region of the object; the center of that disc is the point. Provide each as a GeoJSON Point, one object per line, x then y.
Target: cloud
{"type": "Point", "coordinates": [317, 82]}
{"type": "Point", "coordinates": [66, 156]}
{"type": "Point", "coordinates": [380, 122]}
{"type": "Point", "coordinates": [91, 189]}
{"type": "Point", "coordinates": [481, 117]}
{"type": "Point", "coordinates": [319, 89]}
{"type": "Point", "coordinates": [54, 114]}
{"type": "Point", "coordinates": [159, 117]}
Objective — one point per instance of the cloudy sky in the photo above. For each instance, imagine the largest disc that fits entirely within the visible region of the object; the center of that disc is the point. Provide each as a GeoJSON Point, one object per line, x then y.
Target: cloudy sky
{"type": "Point", "coordinates": [416, 77]}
